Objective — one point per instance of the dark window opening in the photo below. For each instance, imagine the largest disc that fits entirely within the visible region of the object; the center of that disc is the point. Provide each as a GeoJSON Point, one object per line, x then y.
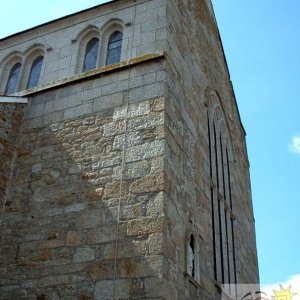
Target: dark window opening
{"type": "Point", "coordinates": [233, 250]}
{"type": "Point", "coordinates": [212, 199]}
{"type": "Point", "coordinates": [228, 179]}
{"type": "Point", "coordinates": [35, 72]}
{"type": "Point", "coordinates": [191, 256]}
{"type": "Point", "coordinates": [13, 79]}
{"type": "Point", "coordinates": [216, 156]}
{"type": "Point", "coordinates": [219, 204]}
{"type": "Point", "coordinates": [91, 55]}
{"type": "Point", "coordinates": [227, 246]}
{"type": "Point", "coordinates": [224, 254]}
{"type": "Point", "coordinates": [223, 169]}
{"type": "Point", "coordinates": [114, 48]}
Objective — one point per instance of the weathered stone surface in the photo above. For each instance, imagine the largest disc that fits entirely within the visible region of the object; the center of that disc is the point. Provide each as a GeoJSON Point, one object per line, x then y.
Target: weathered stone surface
{"type": "Point", "coordinates": [100, 270]}
{"type": "Point", "coordinates": [36, 168]}
{"type": "Point", "coordinates": [145, 151]}
{"type": "Point", "coordinates": [11, 117]}
{"type": "Point", "coordinates": [103, 234]}
{"type": "Point", "coordinates": [106, 102]}
{"type": "Point", "coordinates": [132, 138]}
{"type": "Point", "coordinates": [148, 184]}
{"type": "Point", "coordinates": [114, 128]}
{"type": "Point", "coordinates": [144, 226]}
{"type": "Point", "coordinates": [141, 267]}
{"type": "Point", "coordinates": [106, 161]}
{"type": "Point", "coordinates": [95, 193]}
{"type": "Point", "coordinates": [75, 207]}
{"type": "Point", "coordinates": [158, 104]}
{"type": "Point", "coordinates": [84, 254]}
{"type": "Point", "coordinates": [90, 219]}
{"type": "Point", "coordinates": [129, 247]}
{"type": "Point", "coordinates": [104, 290]}
{"type": "Point", "coordinates": [149, 121]}
{"type": "Point", "coordinates": [134, 110]}
{"type": "Point", "coordinates": [132, 170]}
{"type": "Point", "coordinates": [112, 189]}
{"type": "Point", "coordinates": [73, 238]}
{"type": "Point", "coordinates": [155, 206]}
{"type": "Point", "coordinates": [155, 243]}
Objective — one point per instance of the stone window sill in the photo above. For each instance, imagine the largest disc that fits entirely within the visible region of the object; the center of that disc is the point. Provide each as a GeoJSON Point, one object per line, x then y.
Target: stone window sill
{"type": "Point", "coordinates": [192, 280]}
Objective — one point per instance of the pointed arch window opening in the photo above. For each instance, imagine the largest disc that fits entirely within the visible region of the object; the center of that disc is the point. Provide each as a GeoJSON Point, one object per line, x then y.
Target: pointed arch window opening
{"type": "Point", "coordinates": [212, 198]}
{"type": "Point", "coordinates": [225, 269]}
{"type": "Point", "coordinates": [13, 79]}
{"type": "Point", "coordinates": [35, 72]}
{"type": "Point", "coordinates": [191, 256]}
{"type": "Point", "coordinates": [91, 55]}
{"type": "Point", "coordinates": [114, 48]}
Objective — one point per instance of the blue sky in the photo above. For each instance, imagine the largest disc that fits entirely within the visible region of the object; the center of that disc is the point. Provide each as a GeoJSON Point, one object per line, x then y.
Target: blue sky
{"type": "Point", "coordinates": [262, 45]}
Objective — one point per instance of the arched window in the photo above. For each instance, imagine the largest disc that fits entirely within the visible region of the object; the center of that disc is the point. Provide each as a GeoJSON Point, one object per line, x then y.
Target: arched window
{"type": "Point", "coordinates": [13, 79]}
{"type": "Point", "coordinates": [91, 54]}
{"type": "Point", "coordinates": [35, 72]}
{"type": "Point", "coordinates": [222, 214]}
{"type": "Point", "coordinates": [192, 258]}
{"type": "Point", "coordinates": [114, 48]}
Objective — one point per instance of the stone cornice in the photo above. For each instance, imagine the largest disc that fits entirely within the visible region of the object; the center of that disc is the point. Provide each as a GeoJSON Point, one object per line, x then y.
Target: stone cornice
{"type": "Point", "coordinates": [93, 73]}
{"type": "Point", "coordinates": [11, 99]}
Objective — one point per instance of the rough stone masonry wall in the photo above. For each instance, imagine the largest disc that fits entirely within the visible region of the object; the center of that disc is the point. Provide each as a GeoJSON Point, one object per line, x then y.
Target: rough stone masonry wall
{"type": "Point", "coordinates": [58, 234]}
{"type": "Point", "coordinates": [10, 125]}
{"type": "Point", "coordinates": [196, 67]}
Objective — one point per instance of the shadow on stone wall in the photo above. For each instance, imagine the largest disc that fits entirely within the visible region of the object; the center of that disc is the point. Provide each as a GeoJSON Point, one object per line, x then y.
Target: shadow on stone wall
{"type": "Point", "coordinates": [10, 123]}
{"type": "Point", "coordinates": [59, 229]}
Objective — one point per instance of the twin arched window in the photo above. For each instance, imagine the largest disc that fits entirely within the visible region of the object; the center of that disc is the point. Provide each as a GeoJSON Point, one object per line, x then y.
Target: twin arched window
{"type": "Point", "coordinates": [91, 59]}
{"type": "Point", "coordinates": [113, 54]}
{"type": "Point", "coordinates": [14, 76]}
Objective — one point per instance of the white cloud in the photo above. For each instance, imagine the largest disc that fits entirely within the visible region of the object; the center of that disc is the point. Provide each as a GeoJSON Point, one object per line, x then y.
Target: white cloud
{"type": "Point", "coordinates": [292, 281]}
{"type": "Point", "coordinates": [295, 145]}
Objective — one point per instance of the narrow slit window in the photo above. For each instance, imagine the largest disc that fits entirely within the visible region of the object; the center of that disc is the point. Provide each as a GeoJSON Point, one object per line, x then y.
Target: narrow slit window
{"type": "Point", "coordinates": [192, 258]}
{"type": "Point", "coordinates": [91, 55]}
{"type": "Point", "coordinates": [222, 217]}
{"type": "Point", "coordinates": [35, 72]}
{"type": "Point", "coordinates": [114, 48]}
{"type": "Point", "coordinates": [212, 198]}
{"type": "Point", "coordinates": [13, 79]}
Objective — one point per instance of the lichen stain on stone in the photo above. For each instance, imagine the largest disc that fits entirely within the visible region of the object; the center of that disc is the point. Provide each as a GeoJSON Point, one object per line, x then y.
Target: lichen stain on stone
{"type": "Point", "coordinates": [129, 268]}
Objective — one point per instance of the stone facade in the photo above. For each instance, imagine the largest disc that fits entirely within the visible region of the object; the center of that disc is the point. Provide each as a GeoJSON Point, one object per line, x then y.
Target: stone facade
{"type": "Point", "coordinates": [10, 125]}
{"type": "Point", "coordinates": [106, 175]}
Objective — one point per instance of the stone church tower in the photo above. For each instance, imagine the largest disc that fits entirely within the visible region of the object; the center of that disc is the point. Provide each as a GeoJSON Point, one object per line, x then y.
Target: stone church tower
{"type": "Point", "coordinates": [124, 170]}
